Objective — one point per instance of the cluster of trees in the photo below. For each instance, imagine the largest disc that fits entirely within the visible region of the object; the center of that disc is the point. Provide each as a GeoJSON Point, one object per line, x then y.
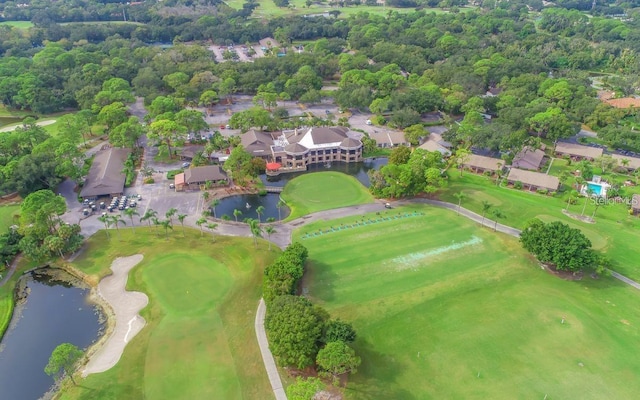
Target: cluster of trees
{"type": "Point", "coordinates": [302, 334]}
{"type": "Point", "coordinates": [45, 235]}
{"type": "Point", "coordinates": [408, 173]}
{"type": "Point", "coordinates": [563, 247]}
{"type": "Point", "coordinates": [9, 246]}
{"type": "Point", "coordinates": [31, 159]}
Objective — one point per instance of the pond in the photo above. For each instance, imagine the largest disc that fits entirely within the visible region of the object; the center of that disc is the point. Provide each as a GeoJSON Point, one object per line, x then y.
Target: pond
{"type": "Point", "coordinates": [53, 312]}
{"type": "Point", "coordinates": [248, 203]}
{"type": "Point", "coordinates": [358, 170]}
{"type": "Point", "coordinates": [9, 120]}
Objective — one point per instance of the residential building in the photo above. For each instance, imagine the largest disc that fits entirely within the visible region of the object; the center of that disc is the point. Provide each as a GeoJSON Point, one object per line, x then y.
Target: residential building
{"type": "Point", "coordinates": [529, 158]}
{"type": "Point", "coordinates": [634, 162]}
{"type": "Point", "coordinates": [480, 164]}
{"type": "Point", "coordinates": [533, 180]}
{"type": "Point", "coordinates": [435, 142]}
{"type": "Point", "coordinates": [189, 152]}
{"type": "Point", "coordinates": [578, 151]}
{"type": "Point", "coordinates": [193, 178]}
{"type": "Point", "coordinates": [388, 139]}
{"type": "Point", "coordinates": [258, 144]}
{"type": "Point", "coordinates": [105, 176]}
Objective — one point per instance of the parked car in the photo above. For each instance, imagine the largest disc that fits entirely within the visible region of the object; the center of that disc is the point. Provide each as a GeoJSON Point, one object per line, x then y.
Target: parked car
{"type": "Point", "coordinates": [369, 122]}
{"type": "Point", "coordinates": [172, 186]}
{"type": "Point", "coordinates": [186, 165]}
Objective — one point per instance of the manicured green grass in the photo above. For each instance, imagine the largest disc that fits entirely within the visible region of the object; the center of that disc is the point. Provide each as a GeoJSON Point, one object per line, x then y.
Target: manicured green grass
{"type": "Point", "coordinates": [199, 341]}
{"type": "Point", "coordinates": [445, 309]}
{"type": "Point", "coordinates": [615, 232]}
{"type": "Point", "coordinates": [319, 191]}
{"type": "Point", "coordinates": [18, 24]}
{"type": "Point", "coordinates": [7, 216]}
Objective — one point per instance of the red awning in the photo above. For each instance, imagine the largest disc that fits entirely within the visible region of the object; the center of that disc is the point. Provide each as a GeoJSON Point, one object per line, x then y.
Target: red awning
{"type": "Point", "coordinates": [273, 166]}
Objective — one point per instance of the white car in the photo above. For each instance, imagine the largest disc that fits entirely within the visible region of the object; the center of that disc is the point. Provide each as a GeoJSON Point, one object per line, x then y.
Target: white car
{"type": "Point", "coordinates": [369, 122]}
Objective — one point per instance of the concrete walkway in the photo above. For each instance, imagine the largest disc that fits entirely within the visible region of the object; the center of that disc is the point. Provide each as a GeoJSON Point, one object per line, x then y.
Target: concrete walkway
{"type": "Point", "coordinates": [267, 357]}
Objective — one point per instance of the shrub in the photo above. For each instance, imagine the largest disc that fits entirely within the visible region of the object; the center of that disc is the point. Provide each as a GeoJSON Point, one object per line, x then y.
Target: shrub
{"type": "Point", "coordinates": [542, 191]}
{"type": "Point", "coordinates": [149, 180]}
{"type": "Point", "coordinates": [262, 192]}
{"type": "Point", "coordinates": [172, 174]}
{"type": "Point", "coordinates": [517, 185]}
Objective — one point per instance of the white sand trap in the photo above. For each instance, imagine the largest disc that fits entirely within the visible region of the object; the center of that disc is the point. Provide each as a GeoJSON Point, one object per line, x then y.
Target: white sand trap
{"type": "Point", "coordinates": [41, 123]}
{"type": "Point", "coordinates": [126, 306]}
{"type": "Point", "coordinates": [410, 260]}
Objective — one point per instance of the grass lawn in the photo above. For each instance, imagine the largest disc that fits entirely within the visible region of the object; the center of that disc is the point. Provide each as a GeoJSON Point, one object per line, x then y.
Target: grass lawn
{"type": "Point", "coordinates": [7, 214]}
{"type": "Point", "coordinates": [199, 341]}
{"type": "Point", "coordinates": [18, 24]}
{"type": "Point", "coordinates": [319, 191]}
{"type": "Point", "coordinates": [615, 232]}
{"type": "Point", "coordinates": [445, 309]}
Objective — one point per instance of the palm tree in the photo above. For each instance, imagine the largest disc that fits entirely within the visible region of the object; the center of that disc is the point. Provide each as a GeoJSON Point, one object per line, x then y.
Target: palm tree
{"type": "Point", "coordinates": [200, 222]}
{"type": "Point", "coordinates": [485, 207]}
{"type": "Point", "coordinates": [279, 205]}
{"type": "Point", "coordinates": [130, 212]}
{"type": "Point", "coordinates": [156, 223]}
{"type": "Point", "coordinates": [169, 214]}
{"type": "Point", "coordinates": [212, 227]}
{"type": "Point", "coordinates": [107, 222]}
{"type": "Point", "coordinates": [55, 244]}
{"type": "Point", "coordinates": [572, 195]}
{"type": "Point", "coordinates": [460, 196]}
{"type": "Point", "coordinates": [259, 211]}
{"type": "Point", "coordinates": [205, 196]}
{"type": "Point", "coordinates": [181, 218]}
{"type": "Point", "coordinates": [166, 224]}
{"type": "Point", "coordinates": [236, 214]}
{"type": "Point", "coordinates": [256, 230]}
{"type": "Point", "coordinates": [589, 193]}
{"type": "Point", "coordinates": [270, 220]}
{"type": "Point", "coordinates": [269, 230]}
{"type": "Point", "coordinates": [215, 203]}
{"type": "Point", "coordinates": [116, 220]}
{"type": "Point", "coordinates": [148, 216]}
{"type": "Point", "coordinates": [497, 214]}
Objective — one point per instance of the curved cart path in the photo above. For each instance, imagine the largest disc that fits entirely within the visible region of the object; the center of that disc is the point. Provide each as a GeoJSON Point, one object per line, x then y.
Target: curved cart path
{"type": "Point", "coordinates": [126, 306]}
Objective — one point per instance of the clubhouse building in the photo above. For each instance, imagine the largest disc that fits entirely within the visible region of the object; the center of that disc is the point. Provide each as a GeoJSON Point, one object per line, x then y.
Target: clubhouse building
{"type": "Point", "coordinates": [290, 151]}
{"type": "Point", "coordinates": [105, 176]}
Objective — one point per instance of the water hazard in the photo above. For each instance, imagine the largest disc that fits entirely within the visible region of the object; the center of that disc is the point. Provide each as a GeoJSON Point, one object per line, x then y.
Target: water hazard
{"type": "Point", "coordinates": [54, 311]}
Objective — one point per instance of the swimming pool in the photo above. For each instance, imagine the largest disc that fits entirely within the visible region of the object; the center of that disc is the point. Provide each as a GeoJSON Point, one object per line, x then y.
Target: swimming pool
{"type": "Point", "coordinates": [595, 188]}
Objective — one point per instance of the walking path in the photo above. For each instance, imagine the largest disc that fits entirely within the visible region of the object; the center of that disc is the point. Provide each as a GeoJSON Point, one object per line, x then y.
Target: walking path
{"type": "Point", "coordinates": [267, 357]}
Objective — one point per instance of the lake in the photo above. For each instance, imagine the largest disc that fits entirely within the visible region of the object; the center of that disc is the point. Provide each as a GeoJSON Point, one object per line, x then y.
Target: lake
{"type": "Point", "coordinates": [53, 312]}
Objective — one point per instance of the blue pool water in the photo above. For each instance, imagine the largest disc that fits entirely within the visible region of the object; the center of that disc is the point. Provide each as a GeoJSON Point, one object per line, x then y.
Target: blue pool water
{"type": "Point", "coordinates": [595, 188]}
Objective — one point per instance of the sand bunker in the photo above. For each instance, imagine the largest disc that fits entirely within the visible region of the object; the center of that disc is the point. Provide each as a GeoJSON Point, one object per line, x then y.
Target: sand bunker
{"type": "Point", "coordinates": [126, 306]}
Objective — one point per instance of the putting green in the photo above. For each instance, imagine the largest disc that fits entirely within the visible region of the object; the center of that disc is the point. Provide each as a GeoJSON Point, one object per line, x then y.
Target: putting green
{"type": "Point", "coordinates": [445, 309]}
{"type": "Point", "coordinates": [199, 341]}
{"type": "Point", "coordinates": [319, 191]}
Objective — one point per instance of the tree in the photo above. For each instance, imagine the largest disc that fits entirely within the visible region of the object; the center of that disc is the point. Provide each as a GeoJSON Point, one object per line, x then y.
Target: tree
{"type": "Point", "coordinates": [212, 227]}
{"type": "Point", "coordinates": [201, 221]}
{"type": "Point", "coordinates": [236, 214]}
{"type": "Point", "coordinates": [460, 196]}
{"type": "Point", "coordinates": [572, 196]}
{"type": "Point", "coordinates": [170, 213]}
{"type": "Point", "coordinates": [279, 206]}
{"type": "Point", "coordinates": [269, 230]}
{"type": "Point", "coordinates": [115, 221]}
{"type": "Point", "coordinates": [259, 211]}
{"type": "Point", "coordinates": [208, 98]}
{"type": "Point", "coordinates": [256, 230]}
{"type": "Point", "coordinates": [239, 166]}
{"type": "Point", "coordinates": [462, 156]}
{"type": "Point", "coordinates": [40, 212]}
{"type": "Point", "coordinates": [166, 131]}
{"type": "Point", "coordinates": [414, 133]}
{"type": "Point", "coordinates": [130, 212]}
{"type": "Point", "coordinates": [215, 203]}
{"type": "Point", "coordinates": [294, 328]}
{"type": "Point", "coordinates": [553, 124]}
{"type": "Point", "coordinates": [149, 215]}
{"type": "Point", "coordinates": [556, 243]}
{"type": "Point", "coordinates": [63, 359]}
{"type": "Point", "coordinates": [113, 115]}
{"type": "Point", "coordinates": [107, 222]}
{"type": "Point", "coordinates": [166, 224]}
{"type": "Point", "coordinates": [337, 358]}
{"type": "Point", "coordinates": [127, 133]}
{"type": "Point", "coordinates": [304, 388]}
{"type": "Point", "coordinates": [497, 214]}
{"type": "Point", "coordinates": [55, 244]}
{"type": "Point", "coordinates": [589, 195]}
{"type": "Point", "coordinates": [400, 155]}
{"type": "Point", "coordinates": [485, 207]}
{"type": "Point", "coordinates": [181, 218]}
{"type": "Point", "coordinates": [337, 330]}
